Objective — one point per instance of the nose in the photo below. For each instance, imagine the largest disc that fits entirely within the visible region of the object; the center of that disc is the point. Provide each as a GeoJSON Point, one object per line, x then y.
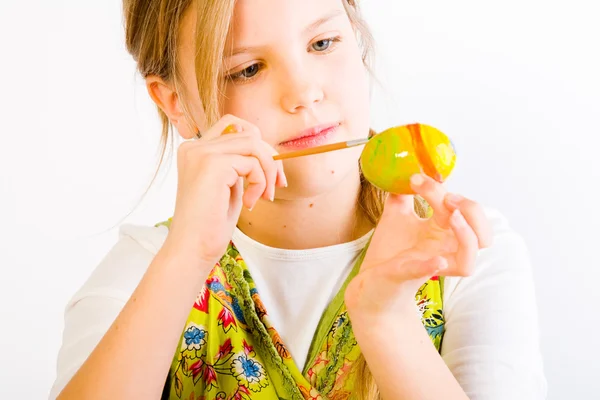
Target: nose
{"type": "Point", "coordinates": [300, 92]}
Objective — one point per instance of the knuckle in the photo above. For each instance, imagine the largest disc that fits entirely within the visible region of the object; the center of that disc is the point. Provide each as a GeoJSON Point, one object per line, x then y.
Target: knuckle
{"type": "Point", "coordinates": [255, 145]}
{"type": "Point", "coordinates": [209, 160]}
{"type": "Point", "coordinates": [258, 167]}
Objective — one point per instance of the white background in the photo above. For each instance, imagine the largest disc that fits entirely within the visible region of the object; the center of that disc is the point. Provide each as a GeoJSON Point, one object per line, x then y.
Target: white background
{"type": "Point", "coordinates": [515, 83]}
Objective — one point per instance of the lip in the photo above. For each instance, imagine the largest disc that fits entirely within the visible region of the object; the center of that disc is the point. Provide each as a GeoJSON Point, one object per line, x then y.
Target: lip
{"type": "Point", "coordinates": [315, 136]}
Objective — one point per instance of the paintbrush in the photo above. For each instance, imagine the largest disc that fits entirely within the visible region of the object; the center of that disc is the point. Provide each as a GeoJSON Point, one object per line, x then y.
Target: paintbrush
{"type": "Point", "coordinates": [321, 149]}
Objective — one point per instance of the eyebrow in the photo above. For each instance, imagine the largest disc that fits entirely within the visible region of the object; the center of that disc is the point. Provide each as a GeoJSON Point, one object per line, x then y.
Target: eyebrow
{"type": "Point", "coordinates": [327, 17]}
{"type": "Point", "coordinates": [333, 14]}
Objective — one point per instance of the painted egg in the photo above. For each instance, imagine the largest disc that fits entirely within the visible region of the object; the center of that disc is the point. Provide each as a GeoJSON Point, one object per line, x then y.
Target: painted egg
{"type": "Point", "coordinates": [391, 157]}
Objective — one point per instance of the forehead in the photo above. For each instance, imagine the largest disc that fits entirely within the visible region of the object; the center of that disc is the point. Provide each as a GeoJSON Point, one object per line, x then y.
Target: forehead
{"type": "Point", "coordinates": [256, 20]}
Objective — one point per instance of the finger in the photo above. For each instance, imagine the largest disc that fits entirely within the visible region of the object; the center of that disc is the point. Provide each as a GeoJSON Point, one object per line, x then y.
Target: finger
{"type": "Point", "coordinates": [246, 144]}
{"type": "Point", "coordinates": [226, 125]}
{"type": "Point", "coordinates": [275, 176]}
{"type": "Point", "coordinates": [433, 192]}
{"type": "Point", "coordinates": [248, 168]}
{"type": "Point", "coordinates": [468, 247]}
{"type": "Point", "coordinates": [475, 216]}
{"type": "Point", "coordinates": [235, 199]}
{"type": "Point", "coordinates": [279, 179]}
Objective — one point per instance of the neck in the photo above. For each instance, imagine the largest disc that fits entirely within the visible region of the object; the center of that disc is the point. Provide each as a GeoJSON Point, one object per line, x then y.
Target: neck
{"type": "Point", "coordinates": [327, 219]}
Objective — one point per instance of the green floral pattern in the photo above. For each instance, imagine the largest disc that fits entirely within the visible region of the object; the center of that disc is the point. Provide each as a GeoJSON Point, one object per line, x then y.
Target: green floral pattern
{"type": "Point", "coordinates": [230, 350]}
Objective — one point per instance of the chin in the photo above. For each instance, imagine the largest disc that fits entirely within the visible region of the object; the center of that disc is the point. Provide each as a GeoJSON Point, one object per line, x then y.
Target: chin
{"type": "Point", "coordinates": [316, 175]}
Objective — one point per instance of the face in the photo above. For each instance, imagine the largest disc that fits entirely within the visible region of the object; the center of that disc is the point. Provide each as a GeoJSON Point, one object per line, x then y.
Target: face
{"type": "Point", "coordinates": [294, 69]}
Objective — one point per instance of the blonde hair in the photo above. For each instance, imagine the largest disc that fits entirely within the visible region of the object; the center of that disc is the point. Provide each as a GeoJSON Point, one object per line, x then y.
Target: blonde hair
{"type": "Point", "coordinates": [152, 29]}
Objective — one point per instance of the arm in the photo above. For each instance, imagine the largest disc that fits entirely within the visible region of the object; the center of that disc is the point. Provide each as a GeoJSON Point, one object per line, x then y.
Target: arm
{"type": "Point", "coordinates": [133, 357]}
{"type": "Point", "coordinates": [491, 344]}
{"type": "Point", "coordinates": [404, 362]}
{"type": "Point", "coordinates": [152, 318]}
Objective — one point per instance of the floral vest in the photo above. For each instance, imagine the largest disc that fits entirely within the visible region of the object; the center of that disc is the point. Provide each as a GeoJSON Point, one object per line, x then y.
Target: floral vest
{"type": "Point", "coordinates": [230, 350]}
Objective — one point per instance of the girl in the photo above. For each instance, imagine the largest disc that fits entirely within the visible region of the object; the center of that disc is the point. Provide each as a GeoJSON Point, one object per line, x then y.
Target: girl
{"type": "Point", "coordinates": [294, 280]}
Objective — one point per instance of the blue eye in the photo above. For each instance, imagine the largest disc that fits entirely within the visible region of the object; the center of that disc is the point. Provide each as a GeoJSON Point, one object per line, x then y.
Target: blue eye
{"type": "Point", "coordinates": [322, 45]}
{"type": "Point", "coordinates": [248, 72]}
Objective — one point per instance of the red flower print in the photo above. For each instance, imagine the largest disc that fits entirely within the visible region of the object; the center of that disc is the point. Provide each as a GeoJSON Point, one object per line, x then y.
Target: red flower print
{"type": "Point", "coordinates": [201, 302]}
{"type": "Point", "coordinates": [249, 350]}
{"type": "Point", "coordinates": [226, 319]}
{"type": "Point", "coordinates": [225, 349]}
{"type": "Point", "coordinates": [242, 393]}
{"type": "Point", "coordinates": [209, 377]}
{"type": "Point", "coordinates": [196, 369]}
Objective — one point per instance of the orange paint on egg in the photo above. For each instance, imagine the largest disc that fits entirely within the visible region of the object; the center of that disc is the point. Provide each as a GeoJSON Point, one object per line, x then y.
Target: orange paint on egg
{"type": "Point", "coordinates": [422, 152]}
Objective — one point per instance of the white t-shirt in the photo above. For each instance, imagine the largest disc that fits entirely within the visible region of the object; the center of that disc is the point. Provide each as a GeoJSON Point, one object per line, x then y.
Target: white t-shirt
{"type": "Point", "coordinates": [297, 285]}
{"type": "Point", "coordinates": [491, 342]}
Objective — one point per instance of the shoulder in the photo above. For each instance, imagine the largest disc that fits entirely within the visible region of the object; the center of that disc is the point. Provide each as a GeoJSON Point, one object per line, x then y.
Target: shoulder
{"type": "Point", "coordinates": [122, 267]}
{"type": "Point", "coordinates": [93, 308]}
{"type": "Point", "coordinates": [147, 237]}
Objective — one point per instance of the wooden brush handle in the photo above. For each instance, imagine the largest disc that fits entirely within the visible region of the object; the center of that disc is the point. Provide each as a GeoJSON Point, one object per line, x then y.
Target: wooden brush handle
{"type": "Point", "coordinates": [320, 149]}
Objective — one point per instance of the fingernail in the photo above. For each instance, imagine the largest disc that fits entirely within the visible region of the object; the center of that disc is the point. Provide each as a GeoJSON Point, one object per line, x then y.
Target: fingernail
{"type": "Point", "coordinates": [417, 180]}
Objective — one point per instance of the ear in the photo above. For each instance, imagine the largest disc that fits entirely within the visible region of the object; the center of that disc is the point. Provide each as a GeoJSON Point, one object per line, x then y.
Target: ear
{"type": "Point", "coordinates": [167, 99]}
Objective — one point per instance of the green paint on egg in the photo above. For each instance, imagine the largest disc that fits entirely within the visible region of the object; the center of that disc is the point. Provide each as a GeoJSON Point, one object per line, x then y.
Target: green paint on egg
{"type": "Point", "coordinates": [390, 158]}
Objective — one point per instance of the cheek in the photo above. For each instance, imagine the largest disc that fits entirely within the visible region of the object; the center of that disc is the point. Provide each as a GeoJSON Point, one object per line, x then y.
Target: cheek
{"type": "Point", "coordinates": [242, 103]}
{"type": "Point", "coordinates": [349, 87]}
{"type": "Point", "coordinates": [251, 103]}
{"type": "Point", "coordinates": [231, 102]}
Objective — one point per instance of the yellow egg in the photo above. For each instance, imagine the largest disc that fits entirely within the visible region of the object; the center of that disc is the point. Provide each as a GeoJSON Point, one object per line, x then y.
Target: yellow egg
{"type": "Point", "coordinates": [391, 157]}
